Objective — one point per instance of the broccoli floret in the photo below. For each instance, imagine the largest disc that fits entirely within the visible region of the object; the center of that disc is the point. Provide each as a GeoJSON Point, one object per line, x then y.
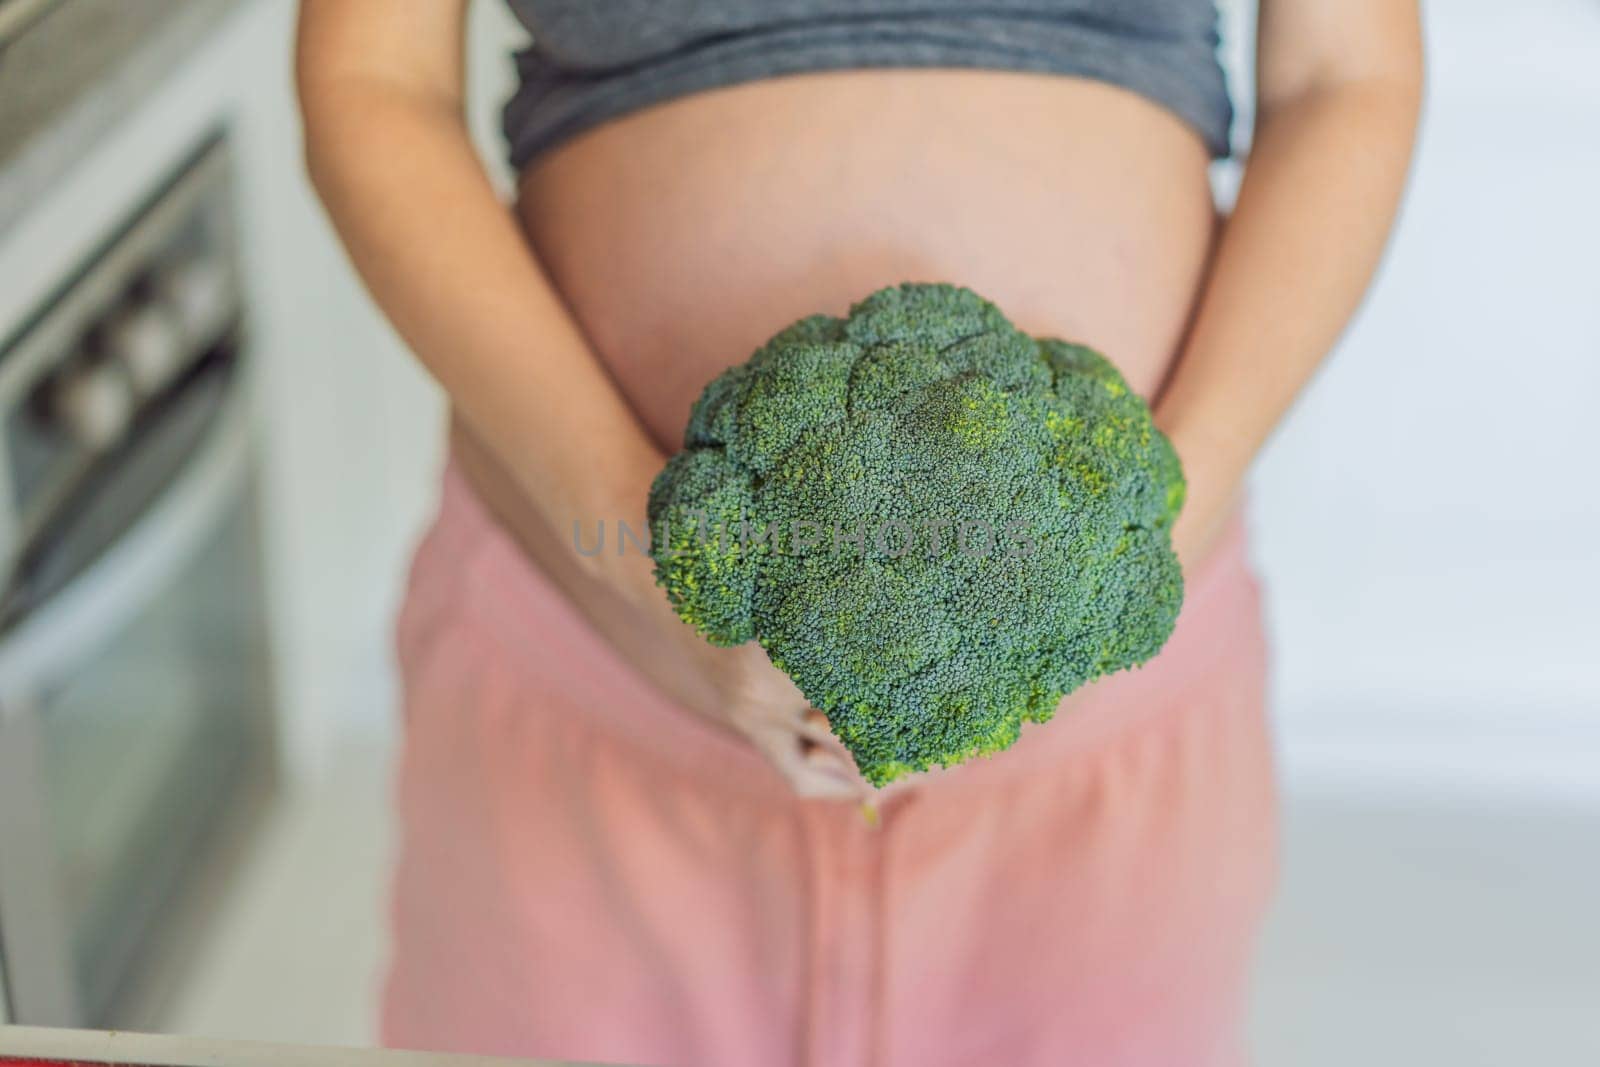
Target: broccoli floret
{"type": "Point", "coordinates": [936, 524]}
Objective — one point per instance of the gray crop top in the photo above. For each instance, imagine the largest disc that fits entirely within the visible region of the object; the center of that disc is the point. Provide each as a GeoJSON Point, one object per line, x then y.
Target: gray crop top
{"type": "Point", "coordinates": [593, 60]}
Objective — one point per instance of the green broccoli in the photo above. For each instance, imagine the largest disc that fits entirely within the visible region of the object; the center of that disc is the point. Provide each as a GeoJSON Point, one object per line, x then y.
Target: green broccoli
{"type": "Point", "coordinates": [934, 523]}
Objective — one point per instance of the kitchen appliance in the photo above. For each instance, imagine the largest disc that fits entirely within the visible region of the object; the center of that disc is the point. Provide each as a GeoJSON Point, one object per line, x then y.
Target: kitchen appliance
{"type": "Point", "coordinates": [134, 676]}
{"type": "Point", "coordinates": [75, 72]}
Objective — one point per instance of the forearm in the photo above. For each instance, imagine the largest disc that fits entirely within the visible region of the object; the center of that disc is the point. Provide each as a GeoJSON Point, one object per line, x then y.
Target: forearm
{"type": "Point", "coordinates": [552, 440]}
{"type": "Point", "coordinates": [1313, 214]}
{"type": "Point", "coordinates": [445, 260]}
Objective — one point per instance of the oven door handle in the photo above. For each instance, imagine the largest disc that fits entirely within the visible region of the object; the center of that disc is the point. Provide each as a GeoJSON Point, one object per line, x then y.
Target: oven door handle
{"type": "Point", "coordinates": [53, 640]}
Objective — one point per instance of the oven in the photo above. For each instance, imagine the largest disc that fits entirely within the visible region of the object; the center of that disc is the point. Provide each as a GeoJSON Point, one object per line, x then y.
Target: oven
{"type": "Point", "coordinates": [135, 694]}
{"type": "Point", "coordinates": [18, 15]}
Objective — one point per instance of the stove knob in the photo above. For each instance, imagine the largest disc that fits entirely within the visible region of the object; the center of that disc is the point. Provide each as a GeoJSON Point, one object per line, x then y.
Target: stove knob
{"type": "Point", "coordinates": [94, 403]}
{"type": "Point", "coordinates": [200, 294]}
{"type": "Point", "coordinates": [147, 339]}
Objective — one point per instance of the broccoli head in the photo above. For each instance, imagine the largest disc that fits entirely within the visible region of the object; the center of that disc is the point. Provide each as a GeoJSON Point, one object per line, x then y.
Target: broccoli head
{"type": "Point", "coordinates": [934, 523]}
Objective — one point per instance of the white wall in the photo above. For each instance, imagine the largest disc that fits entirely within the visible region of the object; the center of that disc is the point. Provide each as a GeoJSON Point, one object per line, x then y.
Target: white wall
{"type": "Point", "coordinates": [1428, 516]}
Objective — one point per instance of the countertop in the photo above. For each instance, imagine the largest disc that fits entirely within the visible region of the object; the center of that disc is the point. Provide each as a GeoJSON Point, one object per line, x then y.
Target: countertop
{"type": "Point", "coordinates": [76, 73]}
{"type": "Point", "coordinates": [22, 1044]}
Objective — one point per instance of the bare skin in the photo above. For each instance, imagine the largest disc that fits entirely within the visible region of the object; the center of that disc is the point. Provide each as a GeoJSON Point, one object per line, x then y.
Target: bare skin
{"type": "Point", "coordinates": [660, 248]}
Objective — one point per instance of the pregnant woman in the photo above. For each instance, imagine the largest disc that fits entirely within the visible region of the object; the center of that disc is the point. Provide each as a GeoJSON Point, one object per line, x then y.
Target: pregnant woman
{"type": "Point", "coordinates": [622, 844]}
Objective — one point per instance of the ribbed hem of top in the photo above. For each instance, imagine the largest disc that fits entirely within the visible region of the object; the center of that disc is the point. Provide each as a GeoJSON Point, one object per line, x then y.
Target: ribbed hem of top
{"type": "Point", "coordinates": [554, 106]}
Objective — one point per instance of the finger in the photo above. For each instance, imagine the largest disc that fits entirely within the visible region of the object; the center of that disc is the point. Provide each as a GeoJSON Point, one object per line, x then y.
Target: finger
{"type": "Point", "coordinates": [813, 727]}
{"type": "Point", "coordinates": [822, 780]}
{"type": "Point", "coordinates": [819, 756]}
{"type": "Point", "coordinates": [835, 760]}
{"type": "Point", "coordinates": [822, 776]}
{"type": "Point", "coordinates": [825, 787]}
{"type": "Point", "coordinates": [827, 756]}
{"type": "Point", "coordinates": [827, 759]}
{"type": "Point", "coordinates": [823, 747]}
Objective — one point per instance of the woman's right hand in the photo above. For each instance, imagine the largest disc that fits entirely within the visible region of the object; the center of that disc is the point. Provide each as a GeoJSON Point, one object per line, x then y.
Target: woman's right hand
{"type": "Point", "coordinates": [735, 689]}
{"type": "Point", "coordinates": [760, 703]}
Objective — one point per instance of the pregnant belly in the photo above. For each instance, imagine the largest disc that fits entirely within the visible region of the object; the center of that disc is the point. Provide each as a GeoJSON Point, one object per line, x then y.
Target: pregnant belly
{"type": "Point", "coordinates": [683, 236]}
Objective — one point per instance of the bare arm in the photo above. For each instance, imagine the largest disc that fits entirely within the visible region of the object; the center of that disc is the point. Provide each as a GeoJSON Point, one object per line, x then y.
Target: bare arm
{"type": "Point", "coordinates": [388, 151]}
{"type": "Point", "coordinates": [387, 147]}
{"type": "Point", "coordinates": [1339, 89]}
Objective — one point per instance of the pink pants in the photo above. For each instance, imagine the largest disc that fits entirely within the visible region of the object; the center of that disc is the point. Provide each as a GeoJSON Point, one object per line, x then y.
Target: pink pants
{"type": "Point", "coordinates": [589, 872]}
